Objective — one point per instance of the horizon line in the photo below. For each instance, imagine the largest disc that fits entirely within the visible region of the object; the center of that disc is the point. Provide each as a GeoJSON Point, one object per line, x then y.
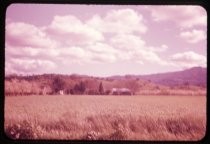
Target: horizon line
{"type": "Point", "coordinates": [88, 75]}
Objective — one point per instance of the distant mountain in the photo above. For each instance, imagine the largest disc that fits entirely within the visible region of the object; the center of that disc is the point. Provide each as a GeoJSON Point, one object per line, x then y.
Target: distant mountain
{"type": "Point", "coordinates": [193, 76]}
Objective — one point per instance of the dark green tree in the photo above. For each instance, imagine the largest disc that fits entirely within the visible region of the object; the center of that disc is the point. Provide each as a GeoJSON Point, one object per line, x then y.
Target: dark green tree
{"type": "Point", "coordinates": [101, 88]}
{"type": "Point", "coordinates": [57, 84]}
{"type": "Point", "coordinates": [82, 87]}
{"type": "Point", "coordinates": [76, 89]}
{"type": "Point", "coordinates": [79, 88]}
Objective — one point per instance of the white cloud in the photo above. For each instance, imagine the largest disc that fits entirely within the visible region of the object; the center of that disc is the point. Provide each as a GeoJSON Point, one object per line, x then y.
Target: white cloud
{"type": "Point", "coordinates": [31, 52]}
{"type": "Point", "coordinates": [101, 48]}
{"type": "Point", "coordinates": [70, 30]}
{"type": "Point", "coordinates": [119, 21]}
{"type": "Point", "coordinates": [132, 47]}
{"type": "Point", "coordinates": [75, 52]}
{"type": "Point", "coordinates": [109, 39]}
{"type": "Point", "coordinates": [102, 52]}
{"type": "Point", "coordinates": [149, 56]}
{"type": "Point", "coordinates": [120, 47]}
{"type": "Point", "coordinates": [102, 58]}
{"type": "Point", "coordinates": [26, 66]}
{"type": "Point", "coordinates": [22, 34]}
{"type": "Point", "coordinates": [189, 59]}
{"type": "Point", "coordinates": [183, 16]}
{"type": "Point", "coordinates": [193, 36]}
{"type": "Point", "coordinates": [161, 48]}
{"type": "Point", "coordinates": [127, 42]}
{"type": "Point", "coordinates": [95, 53]}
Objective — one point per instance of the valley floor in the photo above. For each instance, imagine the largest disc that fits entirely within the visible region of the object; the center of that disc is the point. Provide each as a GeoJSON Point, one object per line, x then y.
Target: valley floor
{"type": "Point", "coordinates": [106, 117]}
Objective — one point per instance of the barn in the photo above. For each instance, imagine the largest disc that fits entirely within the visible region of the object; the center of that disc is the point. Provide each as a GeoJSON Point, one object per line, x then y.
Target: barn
{"type": "Point", "coordinates": [121, 91]}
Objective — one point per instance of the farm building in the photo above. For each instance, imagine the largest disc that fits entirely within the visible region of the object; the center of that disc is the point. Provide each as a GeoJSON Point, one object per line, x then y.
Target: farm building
{"type": "Point", "coordinates": [121, 91]}
{"type": "Point", "coordinates": [61, 92]}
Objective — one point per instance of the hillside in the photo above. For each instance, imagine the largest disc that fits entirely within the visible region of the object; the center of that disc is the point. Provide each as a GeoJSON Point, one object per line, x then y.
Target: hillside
{"type": "Point", "coordinates": [193, 76]}
{"type": "Point", "coordinates": [172, 83]}
{"type": "Point", "coordinates": [196, 76]}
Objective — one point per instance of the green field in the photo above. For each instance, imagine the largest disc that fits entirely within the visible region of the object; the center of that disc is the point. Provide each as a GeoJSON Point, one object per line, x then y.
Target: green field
{"type": "Point", "coordinates": [106, 117]}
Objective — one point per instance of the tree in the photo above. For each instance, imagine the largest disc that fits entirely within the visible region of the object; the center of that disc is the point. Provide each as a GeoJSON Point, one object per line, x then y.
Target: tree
{"type": "Point", "coordinates": [57, 84]}
{"type": "Point", "coordinates": [76, 89]}
{"type": "Point", "coordinates": [80, 88]}
{"type": "Point", "coordinates": [101, 88]}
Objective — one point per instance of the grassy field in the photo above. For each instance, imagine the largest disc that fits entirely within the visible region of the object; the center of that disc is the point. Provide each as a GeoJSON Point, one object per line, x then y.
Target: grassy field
{"type": "Point", "coordinates": [106, 117]}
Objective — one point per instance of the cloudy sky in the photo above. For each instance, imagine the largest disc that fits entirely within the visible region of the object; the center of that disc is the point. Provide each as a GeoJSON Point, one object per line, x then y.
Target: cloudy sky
{"type": "Point", "coordinates": [104, 40]}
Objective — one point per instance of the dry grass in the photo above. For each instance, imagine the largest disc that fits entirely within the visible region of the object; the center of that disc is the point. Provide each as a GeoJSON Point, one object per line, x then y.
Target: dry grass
{"type": "Point", "coordinates": [106, 117]}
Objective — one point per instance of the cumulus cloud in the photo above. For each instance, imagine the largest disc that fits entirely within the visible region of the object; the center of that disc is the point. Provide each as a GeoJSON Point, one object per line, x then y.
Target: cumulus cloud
{"type": "Point", "coordinates": [161, 48]}
{"type": "Point", "coordinates": [193, 36]}
{"type": "Point", "coordinates": [31, 52]}
{"type": "Point", "coordinates": [70, 30]}
{"type": "Point", "coordinates": [132, 47]}
{"type": "Point", "coordinates": [183, 16]}
{"type": "Point", "coordinates": [102, 48]}
{"type": "Point", "coordinates": [147, 55]}
{"type": "Point", "coordinates": [22, 34]}
{"type": "Point", "coordinates": [67, 39]}
{"type": "Point", "coordinates": [102, 52]}
{"type": "Point", "coordinates": [127, 41]}
{"type": "Point", "coordinates": [28, 66]}
{"type": "Point", "coordinates": [28, 48]}
{"type": "Point", "coordinates": [74, 52]}
{"type": "Point", "coordinates": [189, 59]}
{"type": "Point", "coordinates": [102, 58]}
{"type": "Point", "coordinates": [112, 38]}
{"type": "Point", "coordinates": [119, 21]}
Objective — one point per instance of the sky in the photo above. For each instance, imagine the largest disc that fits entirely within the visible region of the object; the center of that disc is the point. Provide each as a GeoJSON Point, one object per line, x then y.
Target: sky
{"type": "Point", "coordinates": [104, 40]}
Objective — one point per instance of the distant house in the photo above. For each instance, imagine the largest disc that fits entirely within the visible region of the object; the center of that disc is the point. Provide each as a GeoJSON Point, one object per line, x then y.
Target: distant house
{"type": "Point", "coordinates": [114, 91]}
{"type": "Point", "coordinates": [121, 91]}
{"type": "Point", "coordinates": [61, 92]}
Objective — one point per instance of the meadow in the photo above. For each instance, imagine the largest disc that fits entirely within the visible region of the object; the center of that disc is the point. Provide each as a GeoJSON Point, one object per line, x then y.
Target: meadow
{"type": "Point", "coordinates": [82, 117]}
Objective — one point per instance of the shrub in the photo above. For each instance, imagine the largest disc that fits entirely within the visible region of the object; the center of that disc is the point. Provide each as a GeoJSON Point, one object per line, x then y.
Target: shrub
{"type": "Point", "coordinates": [92, 135]}
{"type": "Point", "coordinates": [20, 131]}
{"type": "Point", "coordinates": [119, 134]}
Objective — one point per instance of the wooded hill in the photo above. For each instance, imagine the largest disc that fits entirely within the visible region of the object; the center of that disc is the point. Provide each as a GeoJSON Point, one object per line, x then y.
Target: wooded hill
{"type": "Point", "coordinates": [51, 84]}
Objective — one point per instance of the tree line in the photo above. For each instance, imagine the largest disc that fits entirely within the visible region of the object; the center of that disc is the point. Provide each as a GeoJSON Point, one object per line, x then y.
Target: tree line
{"type": "Point", "coordinates": [79, 88]}
{"type": "Point", "coordinates": [53, 84]}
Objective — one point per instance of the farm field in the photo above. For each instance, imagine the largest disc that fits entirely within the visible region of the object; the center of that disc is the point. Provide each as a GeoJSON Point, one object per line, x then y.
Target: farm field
{"type": "Point", "coordinates": [105, 117]}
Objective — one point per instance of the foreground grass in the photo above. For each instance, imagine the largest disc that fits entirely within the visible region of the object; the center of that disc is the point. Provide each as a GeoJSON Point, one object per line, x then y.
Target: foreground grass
{"type": "Point", "coordinates": [106, 117]}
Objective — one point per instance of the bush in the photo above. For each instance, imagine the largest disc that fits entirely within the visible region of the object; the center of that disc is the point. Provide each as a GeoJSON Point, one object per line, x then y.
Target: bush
{"type": "Point", "coordinates": [120, 133]}
{"type": "Point", "coordinates": [20, 131]}
{"type": "Point", "coordinates": [92, 135]}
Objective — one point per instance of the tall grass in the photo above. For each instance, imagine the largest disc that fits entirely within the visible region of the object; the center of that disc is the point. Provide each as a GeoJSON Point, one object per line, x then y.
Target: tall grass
{"type": "Point", "coordinates": [106, 117]}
